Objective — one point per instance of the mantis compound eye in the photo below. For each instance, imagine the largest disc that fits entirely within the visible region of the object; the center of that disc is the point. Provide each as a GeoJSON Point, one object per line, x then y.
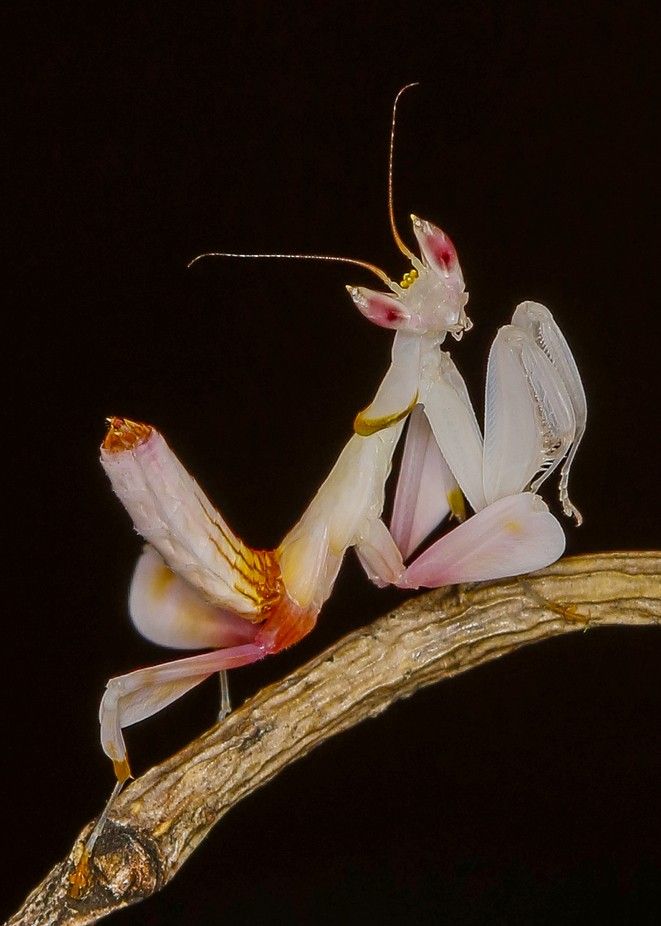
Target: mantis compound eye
{"type": "Point", "coordinates": [385, 311]}
{"type": "Point", "coordinates": [437, 249]}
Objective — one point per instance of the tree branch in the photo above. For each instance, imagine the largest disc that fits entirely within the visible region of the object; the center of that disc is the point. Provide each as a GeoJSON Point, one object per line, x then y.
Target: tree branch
{"type": "Point", "coordinates": [163, 816]}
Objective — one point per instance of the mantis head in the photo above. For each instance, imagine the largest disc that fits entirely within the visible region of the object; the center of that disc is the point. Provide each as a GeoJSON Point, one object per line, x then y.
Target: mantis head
{"type": "Point", "coordinates": [430, 299]}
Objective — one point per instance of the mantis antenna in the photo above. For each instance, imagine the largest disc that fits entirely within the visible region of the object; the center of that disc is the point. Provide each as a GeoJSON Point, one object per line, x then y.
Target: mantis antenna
{"type": "Point", "coordinates": [341, 260]}
{"type": "Point", "coordinates": [391, 212]}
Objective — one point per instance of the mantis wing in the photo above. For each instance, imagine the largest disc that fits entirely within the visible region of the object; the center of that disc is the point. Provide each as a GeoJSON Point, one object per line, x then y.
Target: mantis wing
{"type": "Point", "coordinates": [426, 489]}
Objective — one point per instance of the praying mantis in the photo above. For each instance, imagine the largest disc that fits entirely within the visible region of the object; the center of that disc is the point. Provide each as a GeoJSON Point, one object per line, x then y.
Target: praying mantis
{"type": "Point", "coordinates": [198, 586]}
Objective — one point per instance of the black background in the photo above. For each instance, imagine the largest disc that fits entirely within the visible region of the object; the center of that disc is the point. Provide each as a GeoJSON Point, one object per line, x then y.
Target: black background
{"type": "Point", "coordinates": [527, 791]}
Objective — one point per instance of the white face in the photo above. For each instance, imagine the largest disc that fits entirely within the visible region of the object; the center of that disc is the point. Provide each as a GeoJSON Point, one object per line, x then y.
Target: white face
{"type": "Point", "coordinates": [430, 299]}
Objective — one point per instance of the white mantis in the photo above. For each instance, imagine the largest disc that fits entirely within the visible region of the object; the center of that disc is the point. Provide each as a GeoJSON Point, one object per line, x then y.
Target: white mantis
{"type": "Point", "coordinates": [198, 586]}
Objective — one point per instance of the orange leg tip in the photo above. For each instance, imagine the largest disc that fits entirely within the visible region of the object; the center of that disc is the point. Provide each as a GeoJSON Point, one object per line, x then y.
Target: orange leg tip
{"type": "Point", "coordinates": [80, 878]}
{"type": "Point", "coordinates": [122, 770]}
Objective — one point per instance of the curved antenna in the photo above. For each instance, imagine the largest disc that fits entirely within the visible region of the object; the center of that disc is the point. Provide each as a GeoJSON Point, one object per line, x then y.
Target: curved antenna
{"type": "Point", "coordinates": [340, 260]}
{"type": "Point", "coordinates": [391, 212]}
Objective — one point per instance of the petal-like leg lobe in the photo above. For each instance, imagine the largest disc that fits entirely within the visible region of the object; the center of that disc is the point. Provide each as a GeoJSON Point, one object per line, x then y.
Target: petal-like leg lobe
{"type": "Point", "coordinates": [512, 536]}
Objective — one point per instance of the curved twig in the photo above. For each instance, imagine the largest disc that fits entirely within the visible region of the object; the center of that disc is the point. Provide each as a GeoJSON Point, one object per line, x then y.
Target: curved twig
{"type": "Point", "coordinates": [164, 815]}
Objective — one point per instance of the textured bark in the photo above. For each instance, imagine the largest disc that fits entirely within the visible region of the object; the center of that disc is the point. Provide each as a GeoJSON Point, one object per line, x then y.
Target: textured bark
{"type": "Point", "coordinates": [163, 816]}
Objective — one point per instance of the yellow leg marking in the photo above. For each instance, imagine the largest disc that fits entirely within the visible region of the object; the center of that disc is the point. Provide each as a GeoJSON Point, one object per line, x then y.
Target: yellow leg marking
{"type": "Point", "coordinates": [457, 505]}
{"type": "Point", "coordinates": [367, 426]}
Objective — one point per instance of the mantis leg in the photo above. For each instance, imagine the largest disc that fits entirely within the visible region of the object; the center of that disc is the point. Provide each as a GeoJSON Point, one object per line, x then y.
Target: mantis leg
{"type": "Point", "coordinates": [167, 610]}
{"type": "Point", "coordinates": [398, 392]}
{"type": "Point", "coordinates": [133, 697]}
{"type": "Point", "coordinates": [225, 700]}
{"type": "Point", "coordinates": [454, 425]}
{"type": "Point", "coordinates": [99, 826]}
{"type": "Point", "coordinates": [530, 422]}
{"type": "Point", "coordinates": [169, 509]}
{"type": "Point", "coordinates": [536, 318]}
{"type": "Point", "coordinates": [426, 489]}
{"type": "Point", "coordinates": [514, 535]}
{"type": "Point", "coordinates": [379, 556]}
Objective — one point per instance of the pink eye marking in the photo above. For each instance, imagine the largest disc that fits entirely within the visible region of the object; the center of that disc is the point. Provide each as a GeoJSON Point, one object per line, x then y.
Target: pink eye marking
{"type": "Point", "coordinates": [380, 309]}
{"type": "Point", "coordinates": [444, 252]}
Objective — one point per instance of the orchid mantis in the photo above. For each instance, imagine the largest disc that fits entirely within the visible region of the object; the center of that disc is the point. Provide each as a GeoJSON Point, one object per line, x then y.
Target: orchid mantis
{"type": "Point", "coordinates": [198, 586]}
